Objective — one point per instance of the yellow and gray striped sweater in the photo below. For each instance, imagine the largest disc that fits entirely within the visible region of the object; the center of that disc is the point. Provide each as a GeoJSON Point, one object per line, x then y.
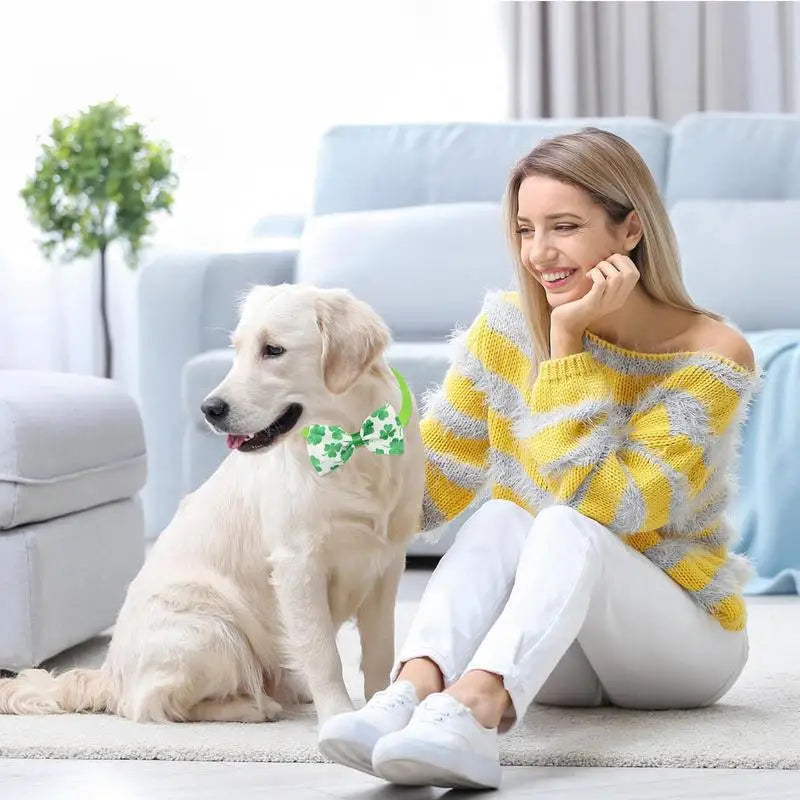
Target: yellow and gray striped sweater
{"type": "Point", "coordinates": [642, 443]}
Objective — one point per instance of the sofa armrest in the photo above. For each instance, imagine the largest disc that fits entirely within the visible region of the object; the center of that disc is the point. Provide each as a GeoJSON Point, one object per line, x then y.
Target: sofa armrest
{"type": "Point", "coordinates": [186, 305]}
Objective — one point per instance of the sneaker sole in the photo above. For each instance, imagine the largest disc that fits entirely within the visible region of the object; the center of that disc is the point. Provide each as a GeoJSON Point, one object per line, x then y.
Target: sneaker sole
{"type": "Point", "coordinates": [349, 742]}
{"type": "Point", "coordinates": [348, 754]}
{"type": "Point", "coordinates": [423, 764]}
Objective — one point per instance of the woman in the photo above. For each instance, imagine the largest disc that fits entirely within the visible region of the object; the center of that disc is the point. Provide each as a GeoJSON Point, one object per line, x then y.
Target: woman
{"type": "Point", "coordinates": [603, 408]}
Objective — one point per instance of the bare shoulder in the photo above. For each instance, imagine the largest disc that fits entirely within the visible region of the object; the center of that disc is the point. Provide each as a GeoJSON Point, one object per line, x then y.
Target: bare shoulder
{"type": "Point", "coordinates": [717, 337]}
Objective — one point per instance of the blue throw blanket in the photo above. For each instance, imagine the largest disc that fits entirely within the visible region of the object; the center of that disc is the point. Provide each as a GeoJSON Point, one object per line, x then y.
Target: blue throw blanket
{"type": "Point", "coordinates": [767, 510]}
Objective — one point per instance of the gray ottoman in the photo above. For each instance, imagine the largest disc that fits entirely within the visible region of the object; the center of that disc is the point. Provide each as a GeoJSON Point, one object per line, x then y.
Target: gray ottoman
{"type": "Point", "coordinates": [72, 459]}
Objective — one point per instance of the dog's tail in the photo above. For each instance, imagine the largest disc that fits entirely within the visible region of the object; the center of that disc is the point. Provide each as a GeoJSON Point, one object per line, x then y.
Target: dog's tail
{"type": "Point", "coordinates": [36, 691]}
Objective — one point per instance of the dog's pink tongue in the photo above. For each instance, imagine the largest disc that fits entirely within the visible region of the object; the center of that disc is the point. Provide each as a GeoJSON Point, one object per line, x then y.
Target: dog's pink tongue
{"type": "Point", "coordinates": [235, 442]}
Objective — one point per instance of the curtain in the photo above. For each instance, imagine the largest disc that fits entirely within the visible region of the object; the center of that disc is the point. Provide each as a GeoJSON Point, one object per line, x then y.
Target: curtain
{"type": "Point", "coordinates": [654, 59]}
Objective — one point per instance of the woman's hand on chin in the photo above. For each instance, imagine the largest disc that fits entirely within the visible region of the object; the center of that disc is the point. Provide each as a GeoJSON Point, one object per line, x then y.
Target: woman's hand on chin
{"type": "Point", "coordinates": [613, 281]}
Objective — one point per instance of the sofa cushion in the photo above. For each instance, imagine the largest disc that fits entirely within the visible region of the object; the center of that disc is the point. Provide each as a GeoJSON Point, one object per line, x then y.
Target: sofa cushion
{"type": "Point", "coordinates": [67, 443]}
{"type": "Point", "coordinates": [422, 364]}
{"type": "Point", "coordinates": [725, 155]}
{"type": "Point", "coordinates": [742, 259]}
{"type": "Point", "coordinates": [363, 167]}
{"type": "Point", "coordinates": [423, 269]}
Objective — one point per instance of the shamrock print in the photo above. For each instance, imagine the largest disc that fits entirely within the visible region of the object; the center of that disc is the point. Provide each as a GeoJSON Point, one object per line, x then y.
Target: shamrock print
{"type": "Point", "coordinates": [331, 446]}
{"type": "Point", "coordinates": [316, 433]}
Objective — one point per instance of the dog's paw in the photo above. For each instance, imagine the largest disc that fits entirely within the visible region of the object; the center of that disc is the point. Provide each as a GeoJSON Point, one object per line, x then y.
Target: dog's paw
{"type": "Point", "coordinates": [299, 686]}
{"type": "Point", "coordinates": [271, 709]}
{"type": "Point", "coordinates": [293, 689]}
{"type": "Point", "coordinates": [303, 693]}
{"type": "Point", "coordinates": [236, 709]}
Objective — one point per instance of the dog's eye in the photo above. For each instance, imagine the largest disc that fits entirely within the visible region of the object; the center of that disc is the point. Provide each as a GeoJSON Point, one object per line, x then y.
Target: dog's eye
{"type": "Point", "coordinates": [272, 351]}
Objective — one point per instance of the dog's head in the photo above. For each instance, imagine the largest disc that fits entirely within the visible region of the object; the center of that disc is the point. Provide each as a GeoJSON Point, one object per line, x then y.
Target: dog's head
{"type": "Point", "coordinates": [296, 346]}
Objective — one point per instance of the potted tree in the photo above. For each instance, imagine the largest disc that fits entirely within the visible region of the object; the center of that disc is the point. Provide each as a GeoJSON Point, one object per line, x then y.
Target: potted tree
{"type": "Point", "coordinates": [99, 179]}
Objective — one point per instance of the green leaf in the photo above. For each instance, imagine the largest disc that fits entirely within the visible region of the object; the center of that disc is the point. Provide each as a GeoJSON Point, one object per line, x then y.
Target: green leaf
{"type": "Point", "coordinates": [316, 433]}
{"type": "Point", "coordinates": [98, 179]}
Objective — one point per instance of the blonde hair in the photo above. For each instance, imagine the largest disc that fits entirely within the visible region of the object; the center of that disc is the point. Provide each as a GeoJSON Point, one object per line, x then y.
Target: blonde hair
{"type": "Point", "coordinates": [613, 173]}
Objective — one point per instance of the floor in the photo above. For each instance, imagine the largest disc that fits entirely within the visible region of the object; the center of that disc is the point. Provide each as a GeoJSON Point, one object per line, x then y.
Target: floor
{"type": "Point", "coordinates": [160, 780]}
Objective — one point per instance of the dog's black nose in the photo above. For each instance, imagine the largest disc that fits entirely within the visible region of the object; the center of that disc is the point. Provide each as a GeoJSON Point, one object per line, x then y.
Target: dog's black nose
{"type": "Point", "coordinates": [215, 409]}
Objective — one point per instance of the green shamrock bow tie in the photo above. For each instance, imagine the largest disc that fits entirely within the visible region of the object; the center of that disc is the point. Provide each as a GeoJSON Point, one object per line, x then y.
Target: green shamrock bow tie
{"type": "Point", "coordinates": [330, 446]}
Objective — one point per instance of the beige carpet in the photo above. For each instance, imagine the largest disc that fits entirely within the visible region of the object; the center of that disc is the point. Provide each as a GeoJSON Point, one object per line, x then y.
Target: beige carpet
{"type": "Point", "coordinates": [756, 725]}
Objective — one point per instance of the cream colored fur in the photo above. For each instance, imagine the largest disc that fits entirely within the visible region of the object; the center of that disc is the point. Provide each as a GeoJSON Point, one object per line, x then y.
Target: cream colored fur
{"type": "Point", "coordinates": [236, 610]}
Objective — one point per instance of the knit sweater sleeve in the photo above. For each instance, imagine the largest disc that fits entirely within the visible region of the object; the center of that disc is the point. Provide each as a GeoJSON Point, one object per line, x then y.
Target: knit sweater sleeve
{"type": "Point", "coordinates": [455, 433]}
{"type": "Point", "coordinates": [634, 470]}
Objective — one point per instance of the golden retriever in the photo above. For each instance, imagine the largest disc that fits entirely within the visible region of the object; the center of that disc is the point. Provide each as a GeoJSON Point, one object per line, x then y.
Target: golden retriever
{"type": "Point", "coordinates": [236, 610]}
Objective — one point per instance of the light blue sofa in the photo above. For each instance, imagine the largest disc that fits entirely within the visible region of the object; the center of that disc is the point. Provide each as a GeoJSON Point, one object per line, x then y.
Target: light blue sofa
{"type": "Point", "coordinates": [409, 217]}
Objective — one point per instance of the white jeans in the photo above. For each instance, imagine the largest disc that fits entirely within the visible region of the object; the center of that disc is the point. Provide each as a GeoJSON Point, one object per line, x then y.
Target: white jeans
{"type": "Point", "coordinates": [568, 614]}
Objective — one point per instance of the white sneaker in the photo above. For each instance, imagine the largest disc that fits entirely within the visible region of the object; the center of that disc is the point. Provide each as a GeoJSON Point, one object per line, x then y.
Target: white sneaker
{"type": "Point", "coordinates": [443, 745]}
{"type": "Point", "coordinates": [349, 738]}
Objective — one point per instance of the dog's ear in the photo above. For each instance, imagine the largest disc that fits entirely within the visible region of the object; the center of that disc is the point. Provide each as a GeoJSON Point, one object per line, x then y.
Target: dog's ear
{"type": "Point", "coordinates": [353, 336]}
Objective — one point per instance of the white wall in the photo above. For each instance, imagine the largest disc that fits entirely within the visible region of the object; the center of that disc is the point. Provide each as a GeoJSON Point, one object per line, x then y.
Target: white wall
{"type": "Point", "coordinates": [242, 91]}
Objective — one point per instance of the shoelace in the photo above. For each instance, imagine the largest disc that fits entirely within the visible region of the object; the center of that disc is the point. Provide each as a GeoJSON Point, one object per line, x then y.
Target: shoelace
{"type": "Point", "coordinates": [428, 713]}
{"type": "Point", "coordinates": [386, 700]}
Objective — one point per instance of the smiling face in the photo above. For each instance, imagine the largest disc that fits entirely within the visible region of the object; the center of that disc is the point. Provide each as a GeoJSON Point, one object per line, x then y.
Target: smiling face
{"type": "Point", "coordinates": [563, 234]}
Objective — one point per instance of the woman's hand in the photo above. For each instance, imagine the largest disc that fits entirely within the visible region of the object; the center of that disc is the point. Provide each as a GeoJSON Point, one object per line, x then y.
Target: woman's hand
{"type": "Point", "coordinates": [614, 280]}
